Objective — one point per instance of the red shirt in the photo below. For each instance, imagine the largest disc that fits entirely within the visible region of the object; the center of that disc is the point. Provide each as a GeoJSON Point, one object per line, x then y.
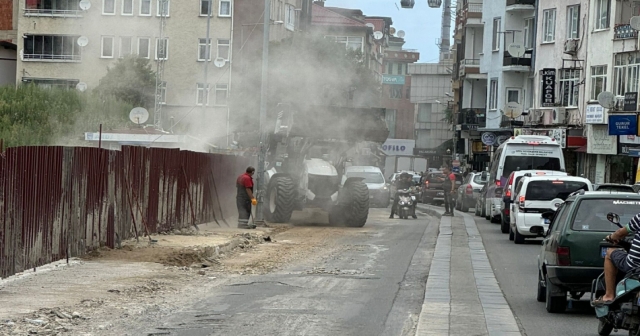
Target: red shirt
{"type": "Point", "coordinates": [452, 177]}
{"type": "Point", "coordinates": [245, 180]}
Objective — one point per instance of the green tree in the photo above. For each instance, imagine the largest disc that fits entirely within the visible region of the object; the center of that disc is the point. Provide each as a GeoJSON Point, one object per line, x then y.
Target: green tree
{"type": "Point", "coordinates": [132, 80]}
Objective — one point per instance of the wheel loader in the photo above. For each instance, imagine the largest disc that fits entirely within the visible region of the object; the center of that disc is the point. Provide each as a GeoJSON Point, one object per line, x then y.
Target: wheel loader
{"type": "Point", "coordinates": [306, 157]}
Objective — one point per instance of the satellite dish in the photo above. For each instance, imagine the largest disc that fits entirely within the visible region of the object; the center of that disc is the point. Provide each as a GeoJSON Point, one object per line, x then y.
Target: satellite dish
{"type": "Point", "coordinates": [635, 22]}
{"type": "Point", "coordinates": [83, 41]}
{"type": "Point", "coordinates": [139, 115]}
{"type": "Point", "coordinates": [82, 86]}
{"type": "Point", "coordinates": [512, 110]}
{"type": "Point", "coordinates": [606, 99]}
{"type": "Point", "coordinates": [378, 35]}
{"type": "Point", "coordinates": [84, 5]}
{"type": "Point", "coordinates": [370, 25]}
{"type": "Point", "coordinates": [401, 33]}
{"type": "Point", "coordinates": [392, 31]}
{"type": "Point", "coordinates": [219, 62]}
{"type": "Point", "coordinates": [516, 50]}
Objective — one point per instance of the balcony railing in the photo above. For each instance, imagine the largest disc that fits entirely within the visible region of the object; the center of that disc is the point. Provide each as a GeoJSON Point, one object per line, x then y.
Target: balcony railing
{"type": "Point", "coordinates": [52, 12]}
{"type": "Point", "coordinates": [469, 66]}
{"type": "Point", "coordinates": [624, 31]}
{"type": "Point", "coordinates": [521, 2]}
{"type": "Point", "coordinates": [53, 58]}
{"type": "Point", "coordinates": [473, 11]}
{"type": "Point", "coordinates": [471, 119]}
{"type": "Point", "coordinates": [470, 62]}
{"type": "Point", "coordinates": [525, 60]}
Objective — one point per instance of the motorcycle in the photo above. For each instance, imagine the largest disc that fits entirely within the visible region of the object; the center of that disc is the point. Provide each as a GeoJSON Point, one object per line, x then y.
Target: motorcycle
{"type": "Point", "coordinates": [406, 203]}
{"type": "Point", "coordinates": [624, 311]}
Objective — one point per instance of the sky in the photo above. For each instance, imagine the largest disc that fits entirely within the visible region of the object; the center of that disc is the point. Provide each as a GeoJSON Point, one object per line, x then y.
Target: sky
{"type": "Point", "coordinates": [421, 24]}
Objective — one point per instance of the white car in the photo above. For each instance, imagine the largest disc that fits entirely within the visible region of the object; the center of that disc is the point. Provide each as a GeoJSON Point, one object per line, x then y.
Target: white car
{"type": "Point", "coordinates": [535, 195]}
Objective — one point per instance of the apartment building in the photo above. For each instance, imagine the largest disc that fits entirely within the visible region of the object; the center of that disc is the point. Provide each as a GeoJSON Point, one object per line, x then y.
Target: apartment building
{"type": "Point", "coordinates": [65, 43]}
{"type": "Point", "coordinates": [8, 36]}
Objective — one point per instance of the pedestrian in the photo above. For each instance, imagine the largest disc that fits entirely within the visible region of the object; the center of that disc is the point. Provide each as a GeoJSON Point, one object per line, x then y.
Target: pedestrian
{"type": "Point", "coordinates": [245, 198]}
{"type": "Point", "coordinates": [448, 185]}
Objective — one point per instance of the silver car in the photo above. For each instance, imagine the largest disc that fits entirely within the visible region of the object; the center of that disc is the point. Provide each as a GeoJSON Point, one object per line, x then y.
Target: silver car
{"type": "Point", "coordinates": [468, 192]}
{"type": "Point", "coordinates": [373, 178]}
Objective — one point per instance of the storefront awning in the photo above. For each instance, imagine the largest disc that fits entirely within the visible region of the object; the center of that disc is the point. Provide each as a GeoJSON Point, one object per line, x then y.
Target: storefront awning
{"type": "Point", "coordinates": [582, 149]}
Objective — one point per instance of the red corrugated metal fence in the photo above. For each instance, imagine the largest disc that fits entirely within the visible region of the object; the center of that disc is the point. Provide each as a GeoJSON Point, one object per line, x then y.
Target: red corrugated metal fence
{"type": "Point", "coordinates": [59, 202]}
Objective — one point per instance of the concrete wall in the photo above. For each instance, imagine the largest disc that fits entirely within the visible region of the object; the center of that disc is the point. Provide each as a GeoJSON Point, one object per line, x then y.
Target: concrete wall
{"type": "Point", "coordinates": [7, 66]}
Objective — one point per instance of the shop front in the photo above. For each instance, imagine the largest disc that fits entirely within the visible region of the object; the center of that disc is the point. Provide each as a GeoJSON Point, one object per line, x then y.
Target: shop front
{"type": "Point", "coordinates": [601, 149]}
{"type": "Point", "coordinates": [628, 154]}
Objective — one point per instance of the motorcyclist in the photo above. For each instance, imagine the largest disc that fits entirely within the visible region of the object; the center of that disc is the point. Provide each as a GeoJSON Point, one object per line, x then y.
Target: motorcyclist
{"type": "Point", "coordinates": [405, 181]}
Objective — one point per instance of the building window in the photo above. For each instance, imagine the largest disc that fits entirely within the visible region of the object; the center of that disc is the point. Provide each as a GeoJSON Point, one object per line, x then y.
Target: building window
{"type": "Point", "coordinates": [125, 46]}
{"type": "Point", "coordinates": [529, 30]}
{"type": "Point", "coordinates": [625, 70]}
{"type": "Point", "coordinates": [50, 83]}
{"type": "Point", "coordinates": [424, 112]}
{"type": "Point", "coordinates": [162, 93]}
{"type": "Point", "coordinates": [495, 44]}
{"type": "Point", "coordinates": [51, 48]}
{"type": "Point", "coordinates": [221, 94]}
{"type": "Point", "coordinates": [549, 25]}
{"type": "Point", "coordinates": [145, 7]}
{"type": "Point", "coordinates": [569, 89]}
{"type": "Point", "coordinates": [205, 7]}
{"type": "Point", "coordinates": [390, 118]}
{"type": "Point", "coordinates": [106, 51]}
{"type": "Point", "coordinates": [513, 95]}
{"type": "Point", "coordinates": [204, 49]}
{"type": "Point", "coordinates": [351, 42]}
{"type": "Point", "coordinates": [225, 8]}
{"type": "Point", "coordinates": [202, 94]}
{"type": "Point", "coordinates": [59, 7]}
{"type": "Point", "coordinates": [598, 80]}
{"type": "Point", "coordinates": [408, 92]}
{"type": "Point", "coordinates": [573, 22]}
{"type": "Point", "coordinates": [602, 14]}
{"type": "Point", "coordinates": [143, 47]}
{"type": "Point", "coordinates": [493, 94]}
{"type": "Point", "coordinates": [162, 49]}
{"type": "Point", "coordinates": [390, 68]}
{"type": "Point", "coordinates": [395, 91]}
{"type": "Point", "coordinates": [108, 7]}
{"type": "Point", "coordinates": [163, 8]}
{"type": "Point", "coordinates": [223, 49]}
{"type": "Point", "coordinates": [290, 17]}
{"type": "Point", "coordinates": [127, 7]}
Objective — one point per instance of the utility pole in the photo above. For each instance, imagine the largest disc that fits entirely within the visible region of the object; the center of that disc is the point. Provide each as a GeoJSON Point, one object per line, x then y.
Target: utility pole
{"type": "Point", "coordinates": [263, 114]}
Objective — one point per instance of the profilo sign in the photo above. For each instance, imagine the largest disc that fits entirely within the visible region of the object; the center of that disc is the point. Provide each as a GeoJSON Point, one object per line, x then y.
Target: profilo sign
{"type": "Point", "coordinates": [548, 87]}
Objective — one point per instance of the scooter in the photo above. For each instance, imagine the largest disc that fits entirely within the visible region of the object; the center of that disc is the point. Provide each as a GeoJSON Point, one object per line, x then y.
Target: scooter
{"type": "Point", "coordinates": [406, 204]}
{"type": "Point", "coordinates": [624, 311]}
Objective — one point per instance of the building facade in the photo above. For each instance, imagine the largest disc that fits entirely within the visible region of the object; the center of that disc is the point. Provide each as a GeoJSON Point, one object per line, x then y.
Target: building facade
{"type": "Point", "coordinates": [8, 37]}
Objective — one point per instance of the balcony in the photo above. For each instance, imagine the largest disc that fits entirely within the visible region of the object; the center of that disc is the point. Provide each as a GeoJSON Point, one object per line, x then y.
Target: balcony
{"type": "Point", "coordinates": [469, 66]}
{"type": "Point", "coordinates": [523, 63]}
{"type": "Point", "coordinates": [624, 31]}
{"type": "Point", "coordinates": [471, 15]}
{"type": "Point", "coordinates": [521, 5]}
{"type": "Point", "coordinates": [470, 119]}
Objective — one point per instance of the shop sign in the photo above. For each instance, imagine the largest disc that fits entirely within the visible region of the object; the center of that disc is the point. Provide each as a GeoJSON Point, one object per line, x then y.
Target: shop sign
{"type": "Point", "coordinates": [403, 147]}
{"type": "Point", "coordinates": [488, 138]}
{"type": "Point", "coordinates": [424, 151]}
{"type": "Point", "coordinates": [477, 147]}
{"type": "Point", "coordinates": [630, 101]}
{"type": "Point", "coordinates": [599, 141]}
{"type": "Point", "coordinates": [623, 124]}
{"type": "Point", "coordinates": [548, 87]}
{"type": "Point", "coordinates": [393, 79]}
{"type": "Point", "coordinates": [500, 140]}
{"type": "Point", "coordinates": [595, 114]}
{"type": "Point", "coordinates": [629, 145]}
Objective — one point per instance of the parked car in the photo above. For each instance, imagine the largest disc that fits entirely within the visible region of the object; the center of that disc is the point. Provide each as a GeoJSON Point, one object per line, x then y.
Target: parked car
{"type": "Point", "coordinates": [469, 190]}
{"type": "Point", "coordinates": [432, 190]}
{"type": "Point", "coordinates": [480, 202]}
{"type": "Point", "coordinates": [508, 196]}
{"type": "Point", "coordinates": [374, 179]}
{"type": "Point", "coordinates": [571, 257]}
{"type": "Point", "coordinates": [614, 187]}
{"type": "Point", "coordinates": [536, 195]}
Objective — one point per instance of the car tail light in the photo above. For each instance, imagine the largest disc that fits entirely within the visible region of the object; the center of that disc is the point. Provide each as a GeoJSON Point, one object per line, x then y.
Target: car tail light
{"type": "Point", "coordinates": [510, 179]}
{"type": "Point", "coordinates": [506, 211]}
{"type": "Point", "coordinates": [498, 183]}
{"type": "Point", "coordinates": [469, 189]}
{"type": "Point", "coordinates": [508, 193]}
{"type": "Point", "coordinates": [521, 203]}
{"type": "Point", "coordinates": [426, 184]}
{"type": "Point", "coordinates": [564, 256]}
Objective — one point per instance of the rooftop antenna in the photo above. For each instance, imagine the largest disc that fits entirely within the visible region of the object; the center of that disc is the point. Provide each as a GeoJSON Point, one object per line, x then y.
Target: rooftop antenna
{"type": "Point", "coordinates": [161, 55]}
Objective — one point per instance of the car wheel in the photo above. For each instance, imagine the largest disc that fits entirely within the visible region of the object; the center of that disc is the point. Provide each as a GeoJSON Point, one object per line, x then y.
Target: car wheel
{"type": "Point", "coordinates": [495, 219]}
{"type": "Point", "coordinates": [511, 236]}
{"type": "Point", "coordinates": [504, 226]}
{"type": "Point", "coordinates": [542, 291]}
{"type": "Point", "coordinates": [483, 211]}
{"type": "Point", "coordinates": [604, 328]}
{"type": "Point", "coordinates": [517, 237]}
{"type": "Point", "coordinates": [554, 304]}
{"type": "Point", "coordinates": [477, 210]}
{"type": "Point", "coordinates": [463, 206]}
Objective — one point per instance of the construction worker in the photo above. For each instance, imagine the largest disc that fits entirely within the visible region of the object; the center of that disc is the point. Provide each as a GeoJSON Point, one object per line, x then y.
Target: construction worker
{"type": "Point", "coordinates": [245, 198]}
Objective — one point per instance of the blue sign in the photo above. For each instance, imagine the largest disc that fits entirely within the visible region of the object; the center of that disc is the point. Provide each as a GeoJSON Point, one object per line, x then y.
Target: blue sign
{"type": "Point", "coordinates": [634, 152]}
{"type": "Point", "coordinates": [623, 124]}
{"type": "Point", "coordinates": [455, 169]}
{"type": "Point", "coordinates": [393, 79]}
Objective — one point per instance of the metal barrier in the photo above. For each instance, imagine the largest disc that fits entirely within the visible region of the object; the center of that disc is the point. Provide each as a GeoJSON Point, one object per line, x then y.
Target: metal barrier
{"type": "Point", "coordinates": [60, 202]}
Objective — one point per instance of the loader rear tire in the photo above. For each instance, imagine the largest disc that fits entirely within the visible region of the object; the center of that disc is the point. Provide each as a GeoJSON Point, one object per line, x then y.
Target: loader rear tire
{"type": "Point", "coordinates": [280, 199]}
{"type": "Point", "coordinates": [356, 207]}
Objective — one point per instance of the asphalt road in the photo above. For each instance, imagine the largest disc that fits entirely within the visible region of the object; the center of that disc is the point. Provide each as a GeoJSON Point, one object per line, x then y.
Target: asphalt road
{"type": "Point", "coordinates": [374, 286]}
{"type": "Point", "coordinates": [515, 267]}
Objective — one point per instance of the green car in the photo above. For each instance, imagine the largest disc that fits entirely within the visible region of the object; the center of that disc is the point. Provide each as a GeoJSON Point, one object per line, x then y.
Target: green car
{"type": "Point", "coordinates": [571, 256]}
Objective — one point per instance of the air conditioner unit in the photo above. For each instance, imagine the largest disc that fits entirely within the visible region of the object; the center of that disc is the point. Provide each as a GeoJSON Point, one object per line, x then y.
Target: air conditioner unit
{"type": "Point", "coordinates": [547, 117]}
{"type": "Point", "coordinates": [574, 117]}
{"type": "Point", "coordinates": [571, 47]}
{"type": "Point", "coordinates": [558, 115]}
{"type": "Point", "coordinates": [534, 116]}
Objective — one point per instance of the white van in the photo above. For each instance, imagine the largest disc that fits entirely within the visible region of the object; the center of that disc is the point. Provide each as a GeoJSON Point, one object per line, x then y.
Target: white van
{"type": "Point", "coordinates": [524, 152]}
{"type": "Point", "coordinates": [535, 195]}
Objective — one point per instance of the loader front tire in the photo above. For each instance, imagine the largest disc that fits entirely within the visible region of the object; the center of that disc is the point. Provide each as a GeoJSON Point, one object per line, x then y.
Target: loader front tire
{"type": "Point", "coordinates": [280, 199]}
{"type": "Point", "coordinates": [356, 207]}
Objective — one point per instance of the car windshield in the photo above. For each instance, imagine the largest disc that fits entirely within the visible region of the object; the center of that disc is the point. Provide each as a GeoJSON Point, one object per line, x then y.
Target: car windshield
{"type": "Point", "coordinates": [369, 177]}
{"type": "Point", "coordinates": [548, 190]}
{"type": "Point", "coordinates": [513, 163]}
{"type": "Point", "coordinates": [478, 180]}
{"type": "Point", "coordinates": [619, 188]}
{"type": "Point", "coordinates": [436, 178]}
{"type": "Point", "coordinates": [592, 214]}
{"type": "Point", "coordinates": [416, 179]}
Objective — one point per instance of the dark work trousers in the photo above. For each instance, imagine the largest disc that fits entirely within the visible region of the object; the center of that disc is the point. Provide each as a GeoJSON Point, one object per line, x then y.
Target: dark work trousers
{"type": "Point", "coordinates": [244, 211]}
{"type": "Point", "coordinates": [448, 206]}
